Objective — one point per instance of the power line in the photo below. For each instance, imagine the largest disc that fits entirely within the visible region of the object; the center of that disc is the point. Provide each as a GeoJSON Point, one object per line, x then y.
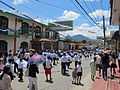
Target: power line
{"type": "Point", "coordinates": [86, 13]}
{"type": "Point", "coordinates": [89, 8]}
{"type": "Point", "coordinates": [81, 11]}
{"type": "Point", "coordinates": [7, 5]}
{"type": "Point", "coordinates": [11, 7]}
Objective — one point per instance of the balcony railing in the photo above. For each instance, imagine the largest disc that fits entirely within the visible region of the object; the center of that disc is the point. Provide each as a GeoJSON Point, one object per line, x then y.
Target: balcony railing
{"type": "Point", "coordinates": [46, 35]}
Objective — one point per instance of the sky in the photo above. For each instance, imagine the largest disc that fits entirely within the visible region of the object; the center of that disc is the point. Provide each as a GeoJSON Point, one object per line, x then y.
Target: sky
{"type": "Point", "coordinates": [51, 10]}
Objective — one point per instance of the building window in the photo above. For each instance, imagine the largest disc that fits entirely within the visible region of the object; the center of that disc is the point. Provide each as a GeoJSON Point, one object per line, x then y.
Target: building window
{"type": "Point", "coordinates": [24, 45]}
{"type": "Point", "coordinates": [25, 27]}
{"type": "Point", "coordinates": [3, 22]}
{"type": "Point", "coordinates": [55, 35]}
{"type": "Point", "coordinates": [47, 34]}
{"type": "Point", "coordinates": [38, 32]}
{"type": "Point", "coordinates": [3, 46]}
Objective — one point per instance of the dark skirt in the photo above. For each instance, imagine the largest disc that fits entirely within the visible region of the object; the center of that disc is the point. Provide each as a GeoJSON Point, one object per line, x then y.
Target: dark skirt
{"type": "Point", "coordinates": [79, 74]}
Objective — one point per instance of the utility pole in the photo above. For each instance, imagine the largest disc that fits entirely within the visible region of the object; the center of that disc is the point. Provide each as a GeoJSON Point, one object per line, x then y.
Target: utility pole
{"type": "Point", "coordinates": [104, 29]}
{"type": "Point", "coordinates": [15, 39]}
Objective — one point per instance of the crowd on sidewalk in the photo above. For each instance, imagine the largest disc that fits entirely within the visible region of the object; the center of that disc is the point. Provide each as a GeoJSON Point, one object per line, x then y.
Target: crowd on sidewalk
{"type": "Point", "coordinates": [104, 61]}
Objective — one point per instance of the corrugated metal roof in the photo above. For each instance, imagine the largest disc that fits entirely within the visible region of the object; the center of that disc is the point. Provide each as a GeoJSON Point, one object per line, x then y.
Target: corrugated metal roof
{"type": "Point", "coordinates": [20, 15]}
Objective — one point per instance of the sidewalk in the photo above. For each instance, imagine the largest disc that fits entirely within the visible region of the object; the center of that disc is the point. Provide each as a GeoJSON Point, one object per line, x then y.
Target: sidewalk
{"type": "Point", "coordinates": [110, 84]}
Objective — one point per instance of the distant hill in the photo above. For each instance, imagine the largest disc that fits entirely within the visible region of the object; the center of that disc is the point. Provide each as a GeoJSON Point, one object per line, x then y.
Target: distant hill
{"type": "Point", "coordinates": [78, 37]}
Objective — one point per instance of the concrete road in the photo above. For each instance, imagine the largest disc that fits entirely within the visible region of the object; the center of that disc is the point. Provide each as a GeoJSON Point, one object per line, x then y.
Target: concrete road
{"type": "Point", "coordinates": [60, 82]}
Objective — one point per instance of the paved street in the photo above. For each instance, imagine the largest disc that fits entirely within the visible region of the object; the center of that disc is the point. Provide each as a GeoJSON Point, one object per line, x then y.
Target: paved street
{"type": "Point", "coordinates": [60, 82]}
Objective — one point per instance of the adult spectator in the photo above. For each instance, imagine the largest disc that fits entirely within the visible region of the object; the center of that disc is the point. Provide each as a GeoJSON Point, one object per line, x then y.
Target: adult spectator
{"type": "Point", "coordinates": [98, 63]}
{"type": "Point", "coordinates": [93, 68]}
{"type": "Point", "coordinates": [119, 60]}
{"type": "Point", "coordinates": [33, 70]}
{"type": "Point", "coordinates": [5, 79]}
{"type": "Point", "coordinates": [1, 64]}
{"type": "Point", "coordinates": [105, 65]}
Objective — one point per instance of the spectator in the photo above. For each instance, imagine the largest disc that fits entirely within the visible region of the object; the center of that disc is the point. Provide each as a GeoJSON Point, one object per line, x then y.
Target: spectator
{"type": "Point", "coordinates": [119, 60]}
{"type": "Point", "coordinates": [105, 65]}
{"type": "Point", "coordinates": [93, 68]}
{"type": "Point", "coordinates": [5, 79]}
{"type": "Point", "coordinates": [98, 63]}
{"type": "Point", "coordinates": [1, 64]}
{"type": "Point", "coordinates": [33, 70]}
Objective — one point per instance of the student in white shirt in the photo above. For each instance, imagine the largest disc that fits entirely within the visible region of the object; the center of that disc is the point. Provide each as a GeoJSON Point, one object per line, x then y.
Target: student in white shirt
{"type": "Point", "coordinates": [76, 58]}
{"type": "Point", "coordinates": [63, 63]}
{"type": "Point", "coordinates": [79, 73]}
{"type": "Point", "coordinates": [20, 70]}
{"type": "Point", "coordinates": [69, 58]}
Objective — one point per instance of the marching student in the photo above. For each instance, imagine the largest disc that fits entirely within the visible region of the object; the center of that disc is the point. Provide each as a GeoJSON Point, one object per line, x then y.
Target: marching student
{"type": "Point", "coordinates": [63, 63]}
{"type": "Point", "coordinates": [74, 76]}
{"type": "Point", "coordinates": [76, 59]}
{"type": "Point", "coordinates": [20, 68]}
{"type": "Point", "coordinates": [79, 73]}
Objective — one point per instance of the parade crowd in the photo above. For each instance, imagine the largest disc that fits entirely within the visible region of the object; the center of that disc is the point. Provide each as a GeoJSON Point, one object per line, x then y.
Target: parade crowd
{"type": "Point", "coordinates": [26, 63]}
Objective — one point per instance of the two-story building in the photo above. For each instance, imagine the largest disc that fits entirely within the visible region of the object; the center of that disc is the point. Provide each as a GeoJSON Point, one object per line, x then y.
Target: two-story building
{"type": "Point", "coordinates": [21, 31]}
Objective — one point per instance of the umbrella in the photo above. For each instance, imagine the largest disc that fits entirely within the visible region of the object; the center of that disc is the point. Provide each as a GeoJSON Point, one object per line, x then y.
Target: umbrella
{"type": "Point", "coordinates": [37, 58]}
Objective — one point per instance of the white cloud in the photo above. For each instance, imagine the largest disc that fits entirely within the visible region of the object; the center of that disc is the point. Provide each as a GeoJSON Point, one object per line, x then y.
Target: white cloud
{"type": "Point", "coordinates": [69, 15]}
{"type": "Point", "coordinates": [100, 13]}
{"type": "Point", "coordinates": [86, 30]}
{"type": "Point", "coordinates": [16, 2]}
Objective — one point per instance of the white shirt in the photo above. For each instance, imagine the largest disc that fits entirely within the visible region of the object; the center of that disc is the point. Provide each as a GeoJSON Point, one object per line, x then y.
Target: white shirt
{"type": "Point", "coordinates": [77, 58]}
{"type": "Point", "coordinates": [21, 65]}
{"type": "Point", "coordinates": [64, 59]}
{"type": "Point", "coordinates": [48, 63]}
{"type": "Point", "coordinates": [69, 58]}
{"type": "Point", "coordinates": [98, 59]}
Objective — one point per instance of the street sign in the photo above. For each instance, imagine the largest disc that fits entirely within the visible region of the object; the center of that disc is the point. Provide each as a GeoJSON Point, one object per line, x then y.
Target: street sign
{"type": "Point", "coordinates": [61, 25]}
